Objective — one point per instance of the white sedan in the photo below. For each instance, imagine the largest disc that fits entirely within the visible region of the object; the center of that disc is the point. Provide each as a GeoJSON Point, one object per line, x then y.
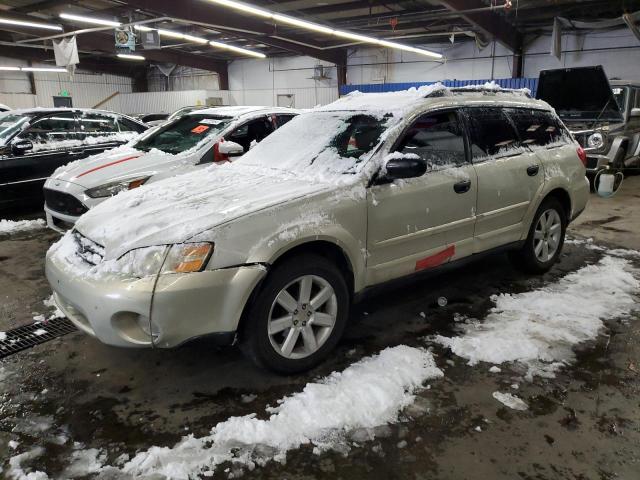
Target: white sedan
{"type": "Point", "coordinates": [192, 141]}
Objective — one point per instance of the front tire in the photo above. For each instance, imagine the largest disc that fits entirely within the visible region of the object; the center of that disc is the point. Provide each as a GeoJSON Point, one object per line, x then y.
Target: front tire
{"type": "Point", "coordinates": [545, 240]}
{"type": "Point", "coordinates": [298, 316]}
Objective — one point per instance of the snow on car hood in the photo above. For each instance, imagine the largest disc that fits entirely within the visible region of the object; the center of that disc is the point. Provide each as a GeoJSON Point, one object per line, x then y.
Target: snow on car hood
{"type": "Point", "coordinates": [121, 162]}
{"type": "Point", "coordinates": [176, 209]}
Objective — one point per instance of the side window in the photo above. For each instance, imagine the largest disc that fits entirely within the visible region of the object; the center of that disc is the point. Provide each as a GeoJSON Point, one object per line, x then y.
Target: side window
{"type": "Point", "coordinates": [437, 138]}
{"type": "Point", "coordinates": [282, 119]}
{"type": "Point", "coordinates": [97, 125]}
{"type": "Point", "coordinates": [54, 128]}
{"type": "Point", "coordinates": [490, 132]}
{"type": "Point", "coordinates": [127, 125]}
{"type": "Point", "coordinates": [536, 127]}
{"type": "Point", "coordinates": [636, 94]}
{"type": "Point", "coordinates": [253, 131]}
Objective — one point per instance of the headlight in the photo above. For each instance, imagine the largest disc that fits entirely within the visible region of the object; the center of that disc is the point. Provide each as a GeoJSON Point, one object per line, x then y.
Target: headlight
{"type": "Point", "coordinates": [113, 188]}
{"type": "Point", "coordinates": [187, 257]}
{"type": "Point", "coordinates": [182, 258]}
{"type": "Point", "coordinates": [595, 140]}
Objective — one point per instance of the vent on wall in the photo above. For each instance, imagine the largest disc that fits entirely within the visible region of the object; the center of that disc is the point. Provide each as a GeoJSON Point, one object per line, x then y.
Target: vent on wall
{"type": "Point", "coordinates": [320, 73]}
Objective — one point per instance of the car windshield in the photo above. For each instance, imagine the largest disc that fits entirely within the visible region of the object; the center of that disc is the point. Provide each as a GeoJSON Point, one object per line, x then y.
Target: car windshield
{"type": "Point", "coordinates": [184, 133]}
{"type": "Point", "coordinates": [10, 124]}
{"type": "Point", "coordinates": [321, 142]}
{"type": "Point", "coordinates": [620, 95]}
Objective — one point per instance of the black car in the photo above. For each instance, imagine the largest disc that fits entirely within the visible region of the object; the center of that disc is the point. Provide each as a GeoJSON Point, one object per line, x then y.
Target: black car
{"type": "Point", "coordinates": [34, 142]}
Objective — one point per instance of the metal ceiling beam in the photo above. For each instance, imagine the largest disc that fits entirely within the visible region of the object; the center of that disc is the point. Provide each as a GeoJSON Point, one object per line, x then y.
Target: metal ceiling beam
{"type": "Point", "coordinates": [39, 6]}
{"type": "Point", "coordinates": [230, 21]}
{"type": "Point", "coordinates": [489, 22]}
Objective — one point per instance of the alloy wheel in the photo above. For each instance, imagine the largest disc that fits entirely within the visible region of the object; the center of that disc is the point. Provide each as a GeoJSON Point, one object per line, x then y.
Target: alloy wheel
{"type": "Point", "coordinates": [546, 237]}
{"type": "Point", "coordinates": [302, 317]}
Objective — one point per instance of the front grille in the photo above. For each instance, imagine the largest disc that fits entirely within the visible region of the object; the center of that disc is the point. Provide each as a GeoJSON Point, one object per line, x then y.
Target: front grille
{"type": "Point", "coordinates": [582, 139]}
{"type": "Point", "coordinates": [592, 162]}
{"type": "Point", "coordinates": [63, 203]}
{"type": "Point", "coordinates": [88, 250]}
{"type": "Point", "coordinates": [28, 336]}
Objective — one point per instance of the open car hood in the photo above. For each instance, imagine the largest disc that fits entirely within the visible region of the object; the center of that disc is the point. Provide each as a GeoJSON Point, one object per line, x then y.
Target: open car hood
{"type": "Point", "coordinates": [580, 93]}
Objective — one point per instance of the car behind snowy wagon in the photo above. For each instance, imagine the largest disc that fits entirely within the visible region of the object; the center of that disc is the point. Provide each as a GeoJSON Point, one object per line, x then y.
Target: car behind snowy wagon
{"type": "Point", "coordinates": [270, 251]}
{"type": "Point", "coordinates": [191, 140]}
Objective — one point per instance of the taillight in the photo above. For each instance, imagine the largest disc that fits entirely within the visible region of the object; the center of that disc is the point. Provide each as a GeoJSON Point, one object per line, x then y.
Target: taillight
{"type": "Point", "coordinates": [217, 156]}
{"type": "Point", "coordinates": [582, 155]}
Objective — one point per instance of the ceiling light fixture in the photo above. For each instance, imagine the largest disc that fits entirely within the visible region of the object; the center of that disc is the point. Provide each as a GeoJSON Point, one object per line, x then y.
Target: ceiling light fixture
{"type": "Point", "coordinates": [44, 69]}
{"type": "Point", "coordinates": [316, 27]}
{"type": "Point", "coordinates": [10, 69]}
{"type": "Point", "coordinates": [142, 28]}
{"type": "Point", "coordinates": [91, 20]}
{"type": "Point", "coordinates": [20, 23]}
{"type": "Point", "coordinates": [128, 56]}
{"type": "Point", "coordinates": [237, 49]}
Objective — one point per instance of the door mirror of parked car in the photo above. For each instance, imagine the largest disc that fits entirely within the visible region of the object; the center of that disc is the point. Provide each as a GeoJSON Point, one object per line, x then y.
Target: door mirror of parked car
{"type": "Point", "coordinates": [635, 112]}
{"type": "Point", "coordinates": [19, 147]}
{"type": "Point", "coordinates": [231, 149]}
{"type": "Point", "coordinates": [404, 166]}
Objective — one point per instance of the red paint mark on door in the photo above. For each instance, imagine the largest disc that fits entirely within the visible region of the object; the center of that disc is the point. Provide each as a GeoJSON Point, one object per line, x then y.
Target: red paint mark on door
{"type": "Point", "coordinates": [436, 259]}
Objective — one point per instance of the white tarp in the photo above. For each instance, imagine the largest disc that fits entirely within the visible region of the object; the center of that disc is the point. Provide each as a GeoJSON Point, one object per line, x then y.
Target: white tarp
{"type": "Point", "coordinates": [66, 52]}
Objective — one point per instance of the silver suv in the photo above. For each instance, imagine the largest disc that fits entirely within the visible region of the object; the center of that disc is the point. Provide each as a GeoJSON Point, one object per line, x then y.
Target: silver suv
{"type": "Point", "coordinates": [270, 250]}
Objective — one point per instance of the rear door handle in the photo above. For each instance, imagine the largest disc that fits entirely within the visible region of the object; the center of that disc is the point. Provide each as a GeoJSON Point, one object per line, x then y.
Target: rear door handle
{"type": "Point", "coordinates": [532, 170]}
{"type": "Point", "coordinates": [462, 187]}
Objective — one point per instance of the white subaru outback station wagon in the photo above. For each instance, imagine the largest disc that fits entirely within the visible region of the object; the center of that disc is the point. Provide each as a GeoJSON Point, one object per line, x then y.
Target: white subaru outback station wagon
{"type": "Point", "coordinates": [270, 250]}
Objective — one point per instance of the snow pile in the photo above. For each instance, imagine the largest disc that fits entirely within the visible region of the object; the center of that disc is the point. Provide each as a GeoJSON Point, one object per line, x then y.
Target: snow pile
{"type": "Point", "coordinates": [10, 226]}
{"type": "Point", "coordinates": [17, 472]}
{"type": "Point", "coordinates": [367, 394]}
{"type": "Point", "coordinates": [538, 328]}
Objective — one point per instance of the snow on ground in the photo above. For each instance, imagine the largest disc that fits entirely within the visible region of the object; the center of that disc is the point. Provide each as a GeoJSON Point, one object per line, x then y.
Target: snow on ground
{"type": "Point", "coordinates": [539, 328]}
{"type": "Point", "coordinates": [367, 394]}
{"type": "Point", "coordinates": [511, 401]}
{"type": "Point", "coordinates": [17, 472]}
{"type": "Point", "coordinates": [10, 226]}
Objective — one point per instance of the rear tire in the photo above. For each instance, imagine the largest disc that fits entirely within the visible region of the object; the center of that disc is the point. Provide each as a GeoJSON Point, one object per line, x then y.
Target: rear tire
{"type": "Point", "coordinates": [298, 316]}
{"type": "Point", "coordinates": [545, 240]}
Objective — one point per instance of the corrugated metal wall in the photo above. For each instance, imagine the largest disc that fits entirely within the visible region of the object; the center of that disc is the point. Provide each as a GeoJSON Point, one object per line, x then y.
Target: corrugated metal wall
{"type": "Point", "coordinates": [163, 102]}
{"type": "Point", "coordinates": [530, 83]}
{"type": "Point", "coordinates": [303, 97]}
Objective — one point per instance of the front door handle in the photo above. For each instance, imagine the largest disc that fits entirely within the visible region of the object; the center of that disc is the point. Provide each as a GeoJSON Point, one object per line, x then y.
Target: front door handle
{"type": "Point", "coordinates": [462, 187]}
{"type": "Point", "coordinates": [532, 170]}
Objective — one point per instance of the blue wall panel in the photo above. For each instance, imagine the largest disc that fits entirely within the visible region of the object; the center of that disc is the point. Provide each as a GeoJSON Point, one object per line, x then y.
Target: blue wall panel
{"type": "Point", "coordinates": [530, 83]}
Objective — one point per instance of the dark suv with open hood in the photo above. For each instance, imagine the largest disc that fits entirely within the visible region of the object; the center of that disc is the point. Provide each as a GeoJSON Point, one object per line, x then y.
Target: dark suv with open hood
{"type": "Point", "coordinates": [604, 117]}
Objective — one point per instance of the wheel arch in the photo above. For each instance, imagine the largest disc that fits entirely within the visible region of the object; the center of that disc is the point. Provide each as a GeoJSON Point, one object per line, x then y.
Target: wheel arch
{"type": "Point", "coordinates": [562, 195]}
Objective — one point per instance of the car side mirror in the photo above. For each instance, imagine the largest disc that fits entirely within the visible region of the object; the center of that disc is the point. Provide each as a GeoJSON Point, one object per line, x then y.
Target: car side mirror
{"type": "Point", "coordinates": [635, 112]}
{"type": "Point", "coordinates": [400, 166]}
{"type": "Point", "coordinates": [230, 149]}
{"type": "Point", "coordinates": [19, 147]}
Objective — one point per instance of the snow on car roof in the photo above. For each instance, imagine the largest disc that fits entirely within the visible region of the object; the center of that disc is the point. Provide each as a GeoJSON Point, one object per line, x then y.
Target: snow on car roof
{"type": "Point", "coordinates": [236, 111]}
{"type": "Point", "coordinates": [405, 100]}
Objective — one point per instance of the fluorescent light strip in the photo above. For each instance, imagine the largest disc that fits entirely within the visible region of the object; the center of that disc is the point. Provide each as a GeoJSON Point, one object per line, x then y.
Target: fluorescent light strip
{"type": "Point", "coordinates": [243, 7]}
{"type": "Point", "coordinates": [20, 23]}
{"type": "Point", "coordinates": [44, 69]}
{"type": "Point", "coordinates": [127, 56]}
{"type": "Point", "coordinates": [10, 69]}
{"type": "Point", "coordinates": [237, 49]}
{"type": "Point", "coordinates": [142, 28]}
{"type": "Point", "coordinates": [91, 20]}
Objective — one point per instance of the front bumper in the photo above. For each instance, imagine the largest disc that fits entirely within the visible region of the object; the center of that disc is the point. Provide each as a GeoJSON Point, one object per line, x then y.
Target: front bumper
{"type": "Point", "coordinates": [118, 311]}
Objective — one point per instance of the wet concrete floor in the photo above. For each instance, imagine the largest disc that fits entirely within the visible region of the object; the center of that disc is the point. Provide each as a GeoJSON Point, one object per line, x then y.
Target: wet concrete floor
{"type": "Point", "coordinates": [583, 424]}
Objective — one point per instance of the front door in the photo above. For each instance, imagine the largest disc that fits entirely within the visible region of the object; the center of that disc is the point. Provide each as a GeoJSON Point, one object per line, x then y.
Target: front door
{"type": "Point", "coordinates": [54, 139]}
{"type": "Point", "coordinates": [510, 176]}
{"type": "Point", "coordinates": [423, 222]}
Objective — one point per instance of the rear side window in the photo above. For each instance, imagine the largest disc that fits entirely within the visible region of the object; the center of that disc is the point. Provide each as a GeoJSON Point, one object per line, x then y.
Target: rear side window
{"type": "Point", "coordinates": [253, 131]}
{"type": "Point", "coordinates": [536, 127]}
{"type": "Point", "coordinates": [437, 138]}
{"type": "Point", "coordinates": [490, 132]}
{"type": "Point", "coordinates": [96, 124]}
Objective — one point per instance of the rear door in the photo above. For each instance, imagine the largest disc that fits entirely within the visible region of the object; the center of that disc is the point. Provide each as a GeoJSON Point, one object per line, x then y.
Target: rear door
{"type": "Point", "coordinates": [54, 138]}
{"type": "Point", "coordinates": [509, 177]}
{"type": "Point", "coordinates": [98, 132]}
{"type": "Point", "coordinates": [422, 222]}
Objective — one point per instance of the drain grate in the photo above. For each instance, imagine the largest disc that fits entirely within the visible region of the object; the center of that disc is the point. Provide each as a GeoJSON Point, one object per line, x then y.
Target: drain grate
{"type": "Point", "coordinates": [34, 334]}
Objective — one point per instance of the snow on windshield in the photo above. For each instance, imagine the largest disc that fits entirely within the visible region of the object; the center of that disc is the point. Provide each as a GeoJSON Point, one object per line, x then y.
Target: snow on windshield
{"type": "Point", "coordinates": [321, 143]}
